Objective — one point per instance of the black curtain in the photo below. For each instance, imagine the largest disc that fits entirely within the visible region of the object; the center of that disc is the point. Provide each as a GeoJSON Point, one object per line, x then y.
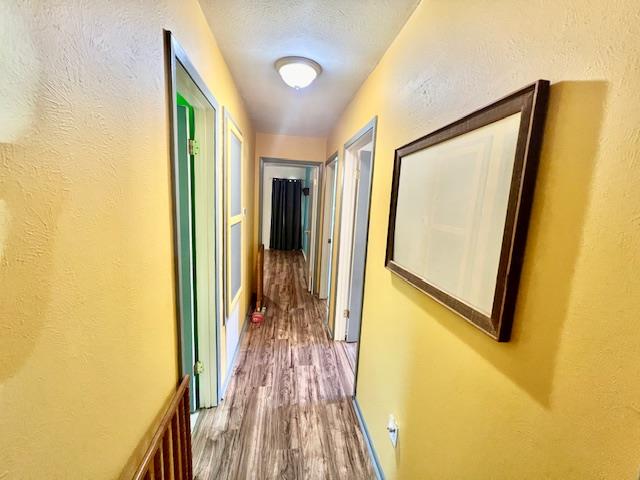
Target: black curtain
{"type": "Point", "coordinates": [286, 214]}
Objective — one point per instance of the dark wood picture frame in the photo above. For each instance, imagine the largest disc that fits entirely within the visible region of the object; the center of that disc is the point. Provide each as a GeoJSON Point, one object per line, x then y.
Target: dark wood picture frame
{"type": "Point", "coordinates": [531, 102]}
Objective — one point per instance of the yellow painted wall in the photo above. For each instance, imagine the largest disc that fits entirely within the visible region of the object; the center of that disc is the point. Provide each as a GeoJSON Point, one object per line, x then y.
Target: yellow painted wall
{"type": "Point", "coordinates": [87, 322]}
{"type": "Point", "coordinates": [290, 147]}
{"type": "Point", "coordinates": [285, 147]}
{"type": "Point", "coordinates": [561, 400]}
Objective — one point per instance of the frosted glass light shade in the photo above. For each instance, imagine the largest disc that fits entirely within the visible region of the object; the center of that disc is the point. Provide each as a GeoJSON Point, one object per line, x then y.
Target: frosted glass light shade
{"type": "Point", "coordinates": [298, 72]}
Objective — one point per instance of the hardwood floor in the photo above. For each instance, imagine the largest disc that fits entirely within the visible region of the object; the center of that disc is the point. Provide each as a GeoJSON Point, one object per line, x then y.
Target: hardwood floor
{"type": "Point", "coordinates": [348, 350]}
{"type": "Point", "coordinates": [287, 412]}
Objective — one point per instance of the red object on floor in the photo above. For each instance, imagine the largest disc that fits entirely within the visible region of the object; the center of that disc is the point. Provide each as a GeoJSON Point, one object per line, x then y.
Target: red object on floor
{"type": "Point", "coordinates": [257, 317]}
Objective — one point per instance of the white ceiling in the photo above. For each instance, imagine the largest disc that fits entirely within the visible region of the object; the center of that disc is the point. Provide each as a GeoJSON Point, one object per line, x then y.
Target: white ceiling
{"type": "Point", "coordinates": [346, 37]}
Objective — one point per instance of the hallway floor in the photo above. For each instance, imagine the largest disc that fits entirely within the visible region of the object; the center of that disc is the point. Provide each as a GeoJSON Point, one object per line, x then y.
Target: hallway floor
{"type": "Point", "coordinates": [350, 352]}
{"type": "Point", "coordinates": [288, 412]}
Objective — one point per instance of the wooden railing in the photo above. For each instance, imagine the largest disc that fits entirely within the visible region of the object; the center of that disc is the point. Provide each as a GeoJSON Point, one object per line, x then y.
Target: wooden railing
{"type": "Point", "coordinates": [169, 455]}
{"type": "Point", "coordinates": [260, 278]}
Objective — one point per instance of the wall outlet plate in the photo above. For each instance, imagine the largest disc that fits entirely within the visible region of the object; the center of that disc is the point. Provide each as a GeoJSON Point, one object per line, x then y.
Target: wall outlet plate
{"type": "Point", "coordinates": [392, 429]}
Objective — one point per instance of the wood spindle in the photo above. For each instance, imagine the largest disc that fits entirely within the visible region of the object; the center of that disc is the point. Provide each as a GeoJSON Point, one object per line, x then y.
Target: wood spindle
{"type": "Point", "coordinates": [166, 457]}
{"type": "Point", "coordinates": [185, 426]}
{"type": "Point", "coordinates": [187, 433]}
{"type": "Point", "coordinates": [157, 464]}
{"type": "Point", "coordinates": [177, 449]}
{"type": "Point", "coordinates": [183, 438]}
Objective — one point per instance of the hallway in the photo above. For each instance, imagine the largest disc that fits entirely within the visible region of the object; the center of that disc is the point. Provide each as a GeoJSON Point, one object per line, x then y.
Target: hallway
{"type": "Point", "coordinates": [461, 178]}
{"type": "Point", "coordinates": [287, 412]}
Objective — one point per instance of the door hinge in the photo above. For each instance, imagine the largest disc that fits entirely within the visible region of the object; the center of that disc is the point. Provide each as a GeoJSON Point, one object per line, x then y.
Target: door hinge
{"type": "Point", "coordinates": [194, 147]}
{"type": "Point", "coordinates": [346, 313]}
{"type": "Point", "coordinates": [198, 368]}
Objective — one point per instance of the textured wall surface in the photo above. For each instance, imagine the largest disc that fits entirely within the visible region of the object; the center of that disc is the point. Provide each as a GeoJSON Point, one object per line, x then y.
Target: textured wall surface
{"type": "Point", "coordinates": [561, 400]}
{"type": "Point", "coordinates": [289, 147]}
{"type": "Point", "coordinates": [87, 322]}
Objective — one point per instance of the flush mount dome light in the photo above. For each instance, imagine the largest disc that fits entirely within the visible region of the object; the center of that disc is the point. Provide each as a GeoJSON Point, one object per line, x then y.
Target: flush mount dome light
{"type": "Point", "coordinates": [298, 72]}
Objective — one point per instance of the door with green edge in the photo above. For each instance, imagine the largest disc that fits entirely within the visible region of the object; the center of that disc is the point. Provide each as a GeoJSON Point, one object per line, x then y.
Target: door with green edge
{"type": "Point", "coordinates": [187, 252]}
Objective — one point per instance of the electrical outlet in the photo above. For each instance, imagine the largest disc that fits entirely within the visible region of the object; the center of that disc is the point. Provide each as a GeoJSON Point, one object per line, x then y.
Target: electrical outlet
{"type": "Point", "coordinates": [392, 428]}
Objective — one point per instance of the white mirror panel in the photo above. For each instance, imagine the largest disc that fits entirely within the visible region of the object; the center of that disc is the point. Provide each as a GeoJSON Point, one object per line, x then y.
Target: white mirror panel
{"type": "Point", "coordinates": [451, 211]}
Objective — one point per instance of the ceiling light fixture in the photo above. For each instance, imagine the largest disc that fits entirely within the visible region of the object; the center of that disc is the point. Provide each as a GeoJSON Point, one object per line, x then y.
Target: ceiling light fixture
{"type": "Point", "coordinates": [298, 72]}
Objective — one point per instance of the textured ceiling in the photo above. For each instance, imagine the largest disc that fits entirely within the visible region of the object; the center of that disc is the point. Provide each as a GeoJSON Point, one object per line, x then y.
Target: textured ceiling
{"type": "Point", "coordinates": [346, 37]}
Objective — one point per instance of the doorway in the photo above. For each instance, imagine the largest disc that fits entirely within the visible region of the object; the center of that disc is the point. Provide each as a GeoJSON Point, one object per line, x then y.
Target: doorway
{"type": "Point", "coordinates": [287, 214]}
{"type": "Point", "coordinates": [307, 175]}
{"type": "Point", "coordinates": [193, 117]}
{"type": "Point", "coordinates": [359, 153]}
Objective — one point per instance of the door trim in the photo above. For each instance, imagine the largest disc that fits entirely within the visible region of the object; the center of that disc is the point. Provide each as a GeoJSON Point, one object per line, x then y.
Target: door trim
{"type": "Point", "coordinates": [371, 125]}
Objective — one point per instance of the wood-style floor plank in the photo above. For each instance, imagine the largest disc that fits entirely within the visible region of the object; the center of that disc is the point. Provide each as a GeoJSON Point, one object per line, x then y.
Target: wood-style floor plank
{"type": "Point", "coordinates": [348, 352]}
{"type": "Point", "coordinates": [287, 412]}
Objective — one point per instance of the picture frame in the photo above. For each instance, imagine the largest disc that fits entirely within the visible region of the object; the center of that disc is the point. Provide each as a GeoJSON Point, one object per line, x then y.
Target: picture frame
{"type": "Point", "coordinates": [460, 205]}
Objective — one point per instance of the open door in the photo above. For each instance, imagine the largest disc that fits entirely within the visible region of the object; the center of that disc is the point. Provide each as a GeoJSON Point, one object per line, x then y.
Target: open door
{"type": "Point", "coordinates": [328, 223]}
{"type": "Point", "coordinates": [234, 237]}
{"type": "Point", "coordinates": [360, 234]}
{"type": "Point", "coordinates": [187, 273]}
{"type": "Point", "coordinates": [312, 225]}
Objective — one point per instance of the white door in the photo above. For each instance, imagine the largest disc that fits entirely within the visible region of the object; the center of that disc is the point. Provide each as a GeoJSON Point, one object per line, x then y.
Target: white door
{"type": "Point", "coordinates": [313, 212]}
{"type": "Point", "coordinates": [360, 234]}
{"type": "Point", "coordinates": [327, 229]}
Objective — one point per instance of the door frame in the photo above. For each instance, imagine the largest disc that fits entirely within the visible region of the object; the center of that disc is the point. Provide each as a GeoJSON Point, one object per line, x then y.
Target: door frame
{"type": "Point", "coordinates": [175, 54]}
{"type": "Point", "coordinates": [339, 281]}
{"type": "Point", "coordinates": [356, 199]}
{"type": "Point", "coordinates": [264, 161]}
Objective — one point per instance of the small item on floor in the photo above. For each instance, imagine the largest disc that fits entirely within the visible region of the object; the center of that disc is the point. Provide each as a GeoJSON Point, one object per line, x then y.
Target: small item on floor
{"type": "Point", "coordinates": [258, 315]}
